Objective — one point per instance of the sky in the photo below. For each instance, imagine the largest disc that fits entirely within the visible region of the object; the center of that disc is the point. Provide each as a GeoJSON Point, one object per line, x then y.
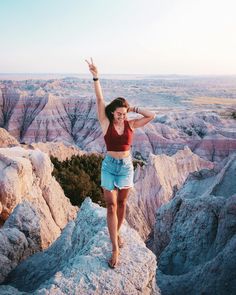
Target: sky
{"type": "Point", "coordinates": [193, 37]}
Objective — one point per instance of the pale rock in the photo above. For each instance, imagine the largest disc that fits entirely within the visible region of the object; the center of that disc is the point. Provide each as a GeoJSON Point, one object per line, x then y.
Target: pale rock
{"type": "Point", "coordinates": [20, 237]}
{"type": "Point", "coordinates": [76, 263]}
{"type": "Point", "coordinates": [156, 183]}
{"type": "Point", "coordinates": [26, 175]}
{"type": "Point", "coordinates": [195, 237]}
{"type": "Point", "coordinates": [59, 150]}
{"type": "Point", "coordinates": [6, 139]}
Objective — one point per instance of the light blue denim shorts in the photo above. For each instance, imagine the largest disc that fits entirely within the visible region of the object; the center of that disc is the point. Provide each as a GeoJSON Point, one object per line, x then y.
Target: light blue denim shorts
{"type": "Point", "coordinates": [117, 173]}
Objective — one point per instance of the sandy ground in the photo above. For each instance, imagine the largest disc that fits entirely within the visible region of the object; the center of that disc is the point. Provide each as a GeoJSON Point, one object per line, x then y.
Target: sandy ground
{"type": "Point", "coordinates": [212, 100]}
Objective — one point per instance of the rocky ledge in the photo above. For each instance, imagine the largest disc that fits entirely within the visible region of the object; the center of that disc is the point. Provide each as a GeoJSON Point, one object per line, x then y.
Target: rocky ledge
{"type": "Point", "coordinates": [33, 207]}
{"type": "Point", "coordinates": [156, 184]}
{"type": "Point", "coordinates": [195, 235]}
{"type": "Point", "coordinates": [76, 263]}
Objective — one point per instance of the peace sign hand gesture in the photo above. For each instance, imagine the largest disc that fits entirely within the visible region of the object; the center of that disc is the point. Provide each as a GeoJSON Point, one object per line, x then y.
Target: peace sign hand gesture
{"type": "Point", "coordinates": [92, 68]}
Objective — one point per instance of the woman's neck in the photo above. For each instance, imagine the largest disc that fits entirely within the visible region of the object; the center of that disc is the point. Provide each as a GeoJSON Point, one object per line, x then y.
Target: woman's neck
{"type": "Point", "coordinates": [117, 123]}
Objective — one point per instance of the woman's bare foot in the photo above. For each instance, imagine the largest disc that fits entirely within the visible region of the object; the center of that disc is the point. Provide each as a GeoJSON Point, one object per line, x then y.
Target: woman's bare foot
{"type": "Point", "coordinates": [114, 259]}
{"type": "Point", "coordinates": [120, 242]}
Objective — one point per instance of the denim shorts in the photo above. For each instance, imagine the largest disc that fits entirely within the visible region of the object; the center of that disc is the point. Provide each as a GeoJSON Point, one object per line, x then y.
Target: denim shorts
{"type": "Point", "coordinates": [117, 173]}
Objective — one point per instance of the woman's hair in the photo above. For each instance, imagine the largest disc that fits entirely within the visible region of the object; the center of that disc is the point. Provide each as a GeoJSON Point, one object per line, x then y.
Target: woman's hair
{"type": "Point", "coordinates": [118, 102]}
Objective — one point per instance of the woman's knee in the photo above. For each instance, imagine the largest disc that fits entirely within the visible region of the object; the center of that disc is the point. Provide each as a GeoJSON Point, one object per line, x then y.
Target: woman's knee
{"type": "Point", "coordinates": [111, 201]}
{"type": "Point", "coordinates": [121, 203]}
{"type": "Point", "coordinates": [111, 208]}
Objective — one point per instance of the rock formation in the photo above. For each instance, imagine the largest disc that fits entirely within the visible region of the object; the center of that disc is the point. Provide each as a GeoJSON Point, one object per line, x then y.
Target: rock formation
{"type": "Point", "coordinates": [209, 134]}
{"type": "Point", "coordinates": [9, 97]}
{"type": "Point", "coordinates": [26, 175]}
{"type": "Point", "coordinates": [156, 183]}
{"type": "Point", "coordinates": [64, 111]}
{"type": "Point", "coordinates": [59, 150]}
{"type": "Point", "coordinates": [20, 237]}
{"type": "Point", "coordinates": [6, 140]}
{"type": "Point", "coordinates": [41, 116]}
{"type": "Point", "coordinates": [195, 235]}
{"type": "Point", "coordinates": [76, 263]}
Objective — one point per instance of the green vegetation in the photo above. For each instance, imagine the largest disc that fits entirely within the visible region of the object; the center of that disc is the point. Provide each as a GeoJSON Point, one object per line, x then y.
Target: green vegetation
{"type": "Point", "coordinates": [80, 177]}
{"type": "Point", "coordinates": [233, 115]}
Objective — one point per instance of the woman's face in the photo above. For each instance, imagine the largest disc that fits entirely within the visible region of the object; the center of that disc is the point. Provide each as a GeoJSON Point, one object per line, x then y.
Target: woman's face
{"type": "Point", "coordinates": [120, 114]}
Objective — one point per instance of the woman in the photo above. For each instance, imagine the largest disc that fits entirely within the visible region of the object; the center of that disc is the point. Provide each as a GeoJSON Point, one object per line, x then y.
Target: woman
{"type": "Point", "coordinates": [117, 168]}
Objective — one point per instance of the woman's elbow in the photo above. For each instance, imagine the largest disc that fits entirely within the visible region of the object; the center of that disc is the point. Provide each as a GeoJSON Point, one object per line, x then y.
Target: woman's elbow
{"type": "Point", "coordinates": [152, 116]}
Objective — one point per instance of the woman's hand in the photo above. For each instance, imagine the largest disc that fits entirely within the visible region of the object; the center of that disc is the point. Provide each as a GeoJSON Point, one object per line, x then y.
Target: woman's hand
{"type": "Point", "coordinates": [92, 68]}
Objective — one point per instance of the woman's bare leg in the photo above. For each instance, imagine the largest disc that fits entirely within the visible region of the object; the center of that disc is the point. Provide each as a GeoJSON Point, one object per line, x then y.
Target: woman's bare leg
{"type": "Point", "coordinates": [122, 197]}
{"type": "Point", "coordinates": [112, 223]}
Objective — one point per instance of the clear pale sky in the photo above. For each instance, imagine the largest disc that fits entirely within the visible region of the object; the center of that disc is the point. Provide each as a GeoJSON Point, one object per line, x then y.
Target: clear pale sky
{"type": "Point", "coordinates": [123, 36]}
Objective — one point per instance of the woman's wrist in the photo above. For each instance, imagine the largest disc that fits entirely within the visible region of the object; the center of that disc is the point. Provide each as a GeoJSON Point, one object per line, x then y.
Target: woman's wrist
{"type": "Point", "coordinates": [135, 109]}
{"type": "Point", "coordinates": [142, 111]}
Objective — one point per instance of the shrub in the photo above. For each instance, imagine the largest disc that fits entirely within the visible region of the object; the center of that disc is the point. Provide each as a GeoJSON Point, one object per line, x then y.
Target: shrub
{"type": "Point", "coordinates": [233, 115]}
{"type": "Point", "coordinates": [79, 177]}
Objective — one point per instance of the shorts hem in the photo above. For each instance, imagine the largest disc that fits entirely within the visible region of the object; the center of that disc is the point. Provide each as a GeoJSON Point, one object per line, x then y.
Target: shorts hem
{"type": "Point", "coordinates": [124, 187]}
{"type": "Point", "coordinates": [118, 187]}
{"type": "Point", "coordinates": [112, 189]}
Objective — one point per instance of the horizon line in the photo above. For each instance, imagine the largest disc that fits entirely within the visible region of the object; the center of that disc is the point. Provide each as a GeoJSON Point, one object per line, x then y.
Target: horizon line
{"type": "Point", "coordinates": [120, 74]}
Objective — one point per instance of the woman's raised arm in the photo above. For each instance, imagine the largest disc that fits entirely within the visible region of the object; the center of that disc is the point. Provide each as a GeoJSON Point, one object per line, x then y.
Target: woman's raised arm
{"type": "Point", "coordinates": [98, 91]}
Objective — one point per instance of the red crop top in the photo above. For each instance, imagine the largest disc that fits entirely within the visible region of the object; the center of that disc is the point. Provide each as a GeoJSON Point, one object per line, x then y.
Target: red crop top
{"type": "Point", "coordinates": [116, 142]}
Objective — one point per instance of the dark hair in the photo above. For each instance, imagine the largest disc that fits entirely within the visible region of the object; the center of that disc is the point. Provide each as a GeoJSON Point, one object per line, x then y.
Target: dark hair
{"type": "Point", "coordinates": [118, 102]}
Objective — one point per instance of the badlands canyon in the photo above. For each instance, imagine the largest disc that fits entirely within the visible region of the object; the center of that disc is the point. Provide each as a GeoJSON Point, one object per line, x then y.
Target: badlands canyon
{"type": "Point", "coordinates": [180, 228]}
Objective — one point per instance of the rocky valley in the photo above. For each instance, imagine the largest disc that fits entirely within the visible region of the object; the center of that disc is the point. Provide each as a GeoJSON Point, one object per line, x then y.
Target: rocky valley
{"type": "Point", "coordinates": [180, 228]}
